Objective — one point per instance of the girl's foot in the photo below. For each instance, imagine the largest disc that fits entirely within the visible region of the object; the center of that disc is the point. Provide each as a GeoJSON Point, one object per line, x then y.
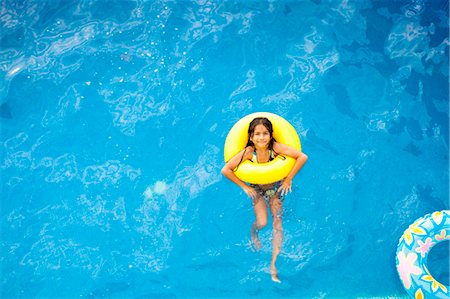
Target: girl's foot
{"type": "Point", "coordinates": [274, 273]}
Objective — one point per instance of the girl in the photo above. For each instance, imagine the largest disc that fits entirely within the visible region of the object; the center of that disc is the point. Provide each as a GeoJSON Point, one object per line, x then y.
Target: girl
{"type": "Point", "coordinates": [261, 148]}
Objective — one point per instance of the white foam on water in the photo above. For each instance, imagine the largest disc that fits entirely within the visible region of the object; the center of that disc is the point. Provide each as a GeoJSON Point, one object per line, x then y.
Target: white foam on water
{"type": "Point", "coordinates": [148, 193]}
{"type": "Point", "coordinates": [160, 187]}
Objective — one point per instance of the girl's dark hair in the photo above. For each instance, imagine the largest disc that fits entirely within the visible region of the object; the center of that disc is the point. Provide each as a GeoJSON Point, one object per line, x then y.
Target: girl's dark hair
{"type": "Point", "coordinates": [260, 121]}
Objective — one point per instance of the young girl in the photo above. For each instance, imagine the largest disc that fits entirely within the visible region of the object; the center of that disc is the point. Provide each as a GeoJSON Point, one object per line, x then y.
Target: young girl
{"type": "Point", "coordinates": [261, 148]}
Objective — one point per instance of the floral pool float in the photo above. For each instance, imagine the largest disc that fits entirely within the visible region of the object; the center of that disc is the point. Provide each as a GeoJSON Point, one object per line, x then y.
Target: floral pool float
{"type": "Point", "coordinates": [412, 253]}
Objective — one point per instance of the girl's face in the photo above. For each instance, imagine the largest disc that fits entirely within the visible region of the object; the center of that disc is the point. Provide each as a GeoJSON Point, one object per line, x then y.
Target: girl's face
{"type": "Point", "coordinates": [261, 136]}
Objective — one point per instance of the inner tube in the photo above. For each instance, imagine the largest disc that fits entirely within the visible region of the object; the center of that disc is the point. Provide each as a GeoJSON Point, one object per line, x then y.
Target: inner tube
{"type": "Point", "coordinates": [264, 173]}
{"type": "Point", "coordinates": [412, 252]}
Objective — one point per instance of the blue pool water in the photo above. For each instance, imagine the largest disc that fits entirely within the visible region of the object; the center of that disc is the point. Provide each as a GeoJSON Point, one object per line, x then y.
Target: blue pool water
{"type": "Point", "coordinates": [113, 120]}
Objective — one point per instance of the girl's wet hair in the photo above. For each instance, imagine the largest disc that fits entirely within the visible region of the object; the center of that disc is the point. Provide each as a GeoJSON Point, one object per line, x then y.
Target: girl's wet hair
{"type": "Point", "coordinates": [260, 121]}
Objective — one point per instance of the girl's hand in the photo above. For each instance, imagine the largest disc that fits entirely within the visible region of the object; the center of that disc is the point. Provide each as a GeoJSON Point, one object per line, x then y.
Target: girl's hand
{"type": "Point", "coordinates": [250, 192]}
{"type": "Point", "coordinates": [285, 187]}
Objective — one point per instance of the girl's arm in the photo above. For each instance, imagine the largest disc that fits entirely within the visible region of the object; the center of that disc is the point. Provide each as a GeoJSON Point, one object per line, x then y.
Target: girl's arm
{"type": "Point", "coordinates": [227, 171]}
{"type": "Point", "coordinates": [300, 158]}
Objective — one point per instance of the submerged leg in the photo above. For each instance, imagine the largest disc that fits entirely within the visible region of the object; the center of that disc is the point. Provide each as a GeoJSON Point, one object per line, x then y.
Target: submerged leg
{"type": "Point", "coordinates": [277, 231]}
{"type": "Point", "coordinates": [260, 209]}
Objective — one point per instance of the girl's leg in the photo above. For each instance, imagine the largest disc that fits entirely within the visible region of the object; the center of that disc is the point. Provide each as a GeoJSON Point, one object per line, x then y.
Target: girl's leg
{"type": "Point", "coordinates": [276, 211]}
{"type": "Point", "coordinates": [260, 209]}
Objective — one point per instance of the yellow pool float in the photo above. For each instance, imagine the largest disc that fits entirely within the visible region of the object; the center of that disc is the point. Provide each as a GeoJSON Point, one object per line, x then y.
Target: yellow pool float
{"type": "Point", "coordinates": [264, 173]}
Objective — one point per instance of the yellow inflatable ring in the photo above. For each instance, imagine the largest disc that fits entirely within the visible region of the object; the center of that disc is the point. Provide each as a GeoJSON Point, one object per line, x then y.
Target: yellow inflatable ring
{"type": "Point", "coordinates": [264, 173]}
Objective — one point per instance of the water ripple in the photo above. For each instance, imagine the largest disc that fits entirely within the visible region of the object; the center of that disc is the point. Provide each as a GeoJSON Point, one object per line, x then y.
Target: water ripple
{"type": "Point", "coordinates": [99, 212]}
{"type": "Point", "coordinates": [108, 173]}
{"type": "Point", "coordinates": [310, 61]}
{"type": "Point", "coordinates": [161, 215]}
{"type": "Point", "coordinates": [64, 168]}
{"type": "Point", "coordinates": [51, 253]}
{"type": "Point", "coordinates": [248, 84]}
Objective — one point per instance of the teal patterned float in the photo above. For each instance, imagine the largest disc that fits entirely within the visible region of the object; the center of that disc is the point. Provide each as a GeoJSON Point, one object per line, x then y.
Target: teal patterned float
{"type": "Point", "coordinates": [412, 253]}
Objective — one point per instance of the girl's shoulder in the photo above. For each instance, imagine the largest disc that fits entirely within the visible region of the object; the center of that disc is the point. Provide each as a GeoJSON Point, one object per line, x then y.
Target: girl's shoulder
{"type": "Point", "coordinates": [276, 146]}
{"type": "Point", "coordinates": [287, 150]}
{"type": "Point", "coordinates": [249, 149]}
{"type": "Point", "coordinates": [245, 154]}
{"type": "Point", "coordinates": [249, 152]}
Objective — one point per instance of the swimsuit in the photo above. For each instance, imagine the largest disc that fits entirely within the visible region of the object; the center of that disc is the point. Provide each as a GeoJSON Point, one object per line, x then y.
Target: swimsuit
{"type": "Point", "coordinates": [267, 191]}
{"type": "Point", "coordinates": [255, 157]}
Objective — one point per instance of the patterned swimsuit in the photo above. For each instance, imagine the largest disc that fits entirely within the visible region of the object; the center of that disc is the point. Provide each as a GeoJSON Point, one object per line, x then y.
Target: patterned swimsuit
{"type": "Point", "coordinates": [267, 191]}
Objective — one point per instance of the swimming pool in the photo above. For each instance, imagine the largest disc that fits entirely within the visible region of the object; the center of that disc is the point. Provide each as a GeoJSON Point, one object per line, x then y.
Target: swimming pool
{"type": "Point", "coordinates": [113, 120]}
